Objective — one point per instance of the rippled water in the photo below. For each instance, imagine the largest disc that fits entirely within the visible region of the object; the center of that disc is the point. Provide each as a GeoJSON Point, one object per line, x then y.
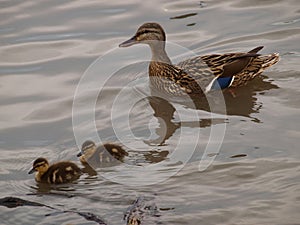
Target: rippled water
{"type": "Point", "coordinates": [47, 46]}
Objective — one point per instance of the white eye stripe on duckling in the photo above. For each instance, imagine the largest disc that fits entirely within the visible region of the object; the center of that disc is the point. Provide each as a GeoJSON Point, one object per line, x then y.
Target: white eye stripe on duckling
{"type": "Point", "coordinates": [39, 164]}
{"type": "Point", "coordinates": [88, 146]}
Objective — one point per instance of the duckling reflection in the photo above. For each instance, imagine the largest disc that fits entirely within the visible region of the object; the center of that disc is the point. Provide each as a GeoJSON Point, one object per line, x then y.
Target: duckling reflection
{"type": "Point", "coordinates": [101, 156]}
{"type": "Point", "coordinates": [58, 173]}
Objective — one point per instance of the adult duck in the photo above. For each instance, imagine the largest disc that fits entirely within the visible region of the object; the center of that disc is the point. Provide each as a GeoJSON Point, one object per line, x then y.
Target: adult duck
{"type": "Point", "coordinates": [200, 74]}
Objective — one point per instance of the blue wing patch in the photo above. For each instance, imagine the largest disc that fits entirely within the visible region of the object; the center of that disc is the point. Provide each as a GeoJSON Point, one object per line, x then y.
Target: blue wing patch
{"type": "Point", "coordinates": [222, 82]}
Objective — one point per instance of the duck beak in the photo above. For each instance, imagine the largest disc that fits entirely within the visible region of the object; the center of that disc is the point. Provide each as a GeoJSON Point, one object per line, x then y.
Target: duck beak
{"type": "Point", "coordinates": [31, 171]}
{"type": "Point", "coordinates": [79, 154]}
{"type": "Point", "coordinates": [129, 42]}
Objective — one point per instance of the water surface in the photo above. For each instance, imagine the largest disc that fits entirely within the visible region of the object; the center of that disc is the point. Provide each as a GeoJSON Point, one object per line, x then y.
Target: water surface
{"type": "Point", "coordinates": [47, 46]}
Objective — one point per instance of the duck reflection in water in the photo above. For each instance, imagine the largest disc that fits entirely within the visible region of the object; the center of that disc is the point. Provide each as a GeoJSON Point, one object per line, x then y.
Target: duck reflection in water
{"type": "Point", "coordinates": [164, 112]}
{"type": "Point", "coordinates": [244, 104]}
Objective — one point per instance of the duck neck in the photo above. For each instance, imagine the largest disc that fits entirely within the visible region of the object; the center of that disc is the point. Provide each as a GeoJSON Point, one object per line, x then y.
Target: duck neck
{"type": "Point", "coordinates": [159, 53]}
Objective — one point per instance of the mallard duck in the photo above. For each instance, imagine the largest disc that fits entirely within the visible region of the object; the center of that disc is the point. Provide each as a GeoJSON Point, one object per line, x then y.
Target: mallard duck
{"type": "Point", "coordinates": [200, 74]}
{"type": "Point", "coordinates": [58, 173]}
{"type": "Point", "coordinates": [103, 155]}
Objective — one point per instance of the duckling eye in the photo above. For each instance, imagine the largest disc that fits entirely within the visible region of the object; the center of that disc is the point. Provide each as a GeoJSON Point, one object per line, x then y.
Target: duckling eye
{"type": "Point", "coordinates": [39, 166]}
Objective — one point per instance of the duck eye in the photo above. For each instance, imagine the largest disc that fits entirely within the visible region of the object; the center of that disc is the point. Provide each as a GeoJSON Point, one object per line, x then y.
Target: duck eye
{"type": "Point", "coordinates": [146, 32]}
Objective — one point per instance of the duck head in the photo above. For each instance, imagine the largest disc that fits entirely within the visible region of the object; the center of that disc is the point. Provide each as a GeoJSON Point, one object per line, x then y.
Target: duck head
{"type": "Point", "coordinates": [148, 33]}
{"type": "Point", "coordinates": [87, 149]}
{"type": "Point", "coordinates": [40, 165]}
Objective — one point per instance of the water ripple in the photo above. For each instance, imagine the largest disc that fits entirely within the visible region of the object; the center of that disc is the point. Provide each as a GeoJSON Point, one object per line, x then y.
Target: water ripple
{"type": "Point", "coordinates": [47, 45]}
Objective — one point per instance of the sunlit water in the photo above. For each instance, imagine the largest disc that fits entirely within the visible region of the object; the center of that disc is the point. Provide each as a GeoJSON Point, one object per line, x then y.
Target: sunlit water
{"type": "Point", "coordinates": [47, 46]}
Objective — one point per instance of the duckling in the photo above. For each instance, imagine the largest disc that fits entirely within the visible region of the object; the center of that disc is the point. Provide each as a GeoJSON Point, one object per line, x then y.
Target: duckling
{"type": "Point", "coordinates": [200, 74]}
{"type": "Point", "coordinates": [58, 173]}
{"type": "Point", "coordinates": [104, 155]}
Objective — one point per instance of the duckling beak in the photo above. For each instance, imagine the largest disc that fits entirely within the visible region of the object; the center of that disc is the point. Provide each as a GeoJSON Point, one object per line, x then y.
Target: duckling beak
{"type": "Point", "coordinates": [31, 171]}
{"type": "Point", "coordinates": [129, 42]}
{"type": "Point", "coordinates": [79, 154]}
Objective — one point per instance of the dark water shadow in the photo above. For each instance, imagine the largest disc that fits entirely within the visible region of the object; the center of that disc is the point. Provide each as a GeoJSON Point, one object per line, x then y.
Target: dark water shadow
{"type": "Point", "coordinates": [245, 102]}
{"type": "Point", "coordinates": [62, 190]}
{"type": "Point", "coordinates": [13, 202]}
{"type": "Point", "coordinates": [241, 101]}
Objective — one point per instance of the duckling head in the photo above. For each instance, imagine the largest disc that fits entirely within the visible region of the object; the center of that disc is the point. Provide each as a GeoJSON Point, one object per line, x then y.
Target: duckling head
{"type": "Point", "coordinates": [88, 148]}
{"type": "Point", "coordinates": [148, 33]}
{"type": "Point", "coordinates": [40, 166]}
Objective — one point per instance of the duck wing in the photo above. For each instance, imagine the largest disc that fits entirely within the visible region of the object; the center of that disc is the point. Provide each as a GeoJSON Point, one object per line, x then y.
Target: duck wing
{"type": "Point", "coordinates": [208, 69]}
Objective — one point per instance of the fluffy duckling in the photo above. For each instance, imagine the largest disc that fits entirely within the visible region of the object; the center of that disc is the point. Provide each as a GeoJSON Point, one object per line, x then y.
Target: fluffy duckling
{"type": "Point", "coordinates": [104, 155]}
{"type": "Point", "coordinates": [58, 173]}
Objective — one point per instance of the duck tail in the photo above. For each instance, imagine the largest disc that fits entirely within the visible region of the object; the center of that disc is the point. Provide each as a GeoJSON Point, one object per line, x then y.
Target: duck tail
{"type": "Point", "coordinates": [265, 60]}
{"type": "Point", "coordinates": [256, 50]}
{"type": "Point", "coordinates": [261, 63]}
{"type": "Point", "coordinates": [269, 60]}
